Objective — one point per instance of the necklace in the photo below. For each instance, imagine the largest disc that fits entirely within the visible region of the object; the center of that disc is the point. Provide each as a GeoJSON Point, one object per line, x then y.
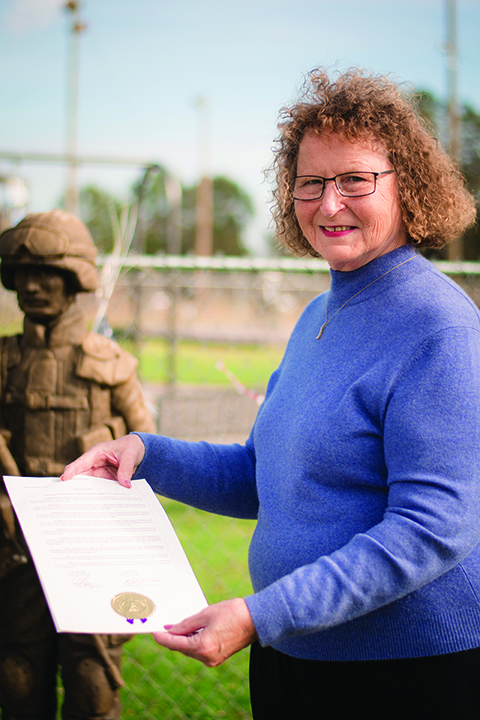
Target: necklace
{"type": "Point", "coordinates": [327, 320]}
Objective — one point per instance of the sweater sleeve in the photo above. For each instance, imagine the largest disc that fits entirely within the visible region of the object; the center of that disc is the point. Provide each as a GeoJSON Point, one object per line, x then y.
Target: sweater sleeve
{"type": "Point", "coordinates": [217, 478]}
{"type": "Point", "coordinates": [431, 440]}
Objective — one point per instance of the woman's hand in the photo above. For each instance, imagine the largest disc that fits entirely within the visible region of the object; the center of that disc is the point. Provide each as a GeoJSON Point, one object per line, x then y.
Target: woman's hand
{"type": "Point", "coordinates": [117, 459]}
{"type": "Point", "coordinates": [213, 634]}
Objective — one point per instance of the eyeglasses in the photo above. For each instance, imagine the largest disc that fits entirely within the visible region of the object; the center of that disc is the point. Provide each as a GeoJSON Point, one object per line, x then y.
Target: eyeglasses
{"type": "Point", "coordinates": [351, 184]}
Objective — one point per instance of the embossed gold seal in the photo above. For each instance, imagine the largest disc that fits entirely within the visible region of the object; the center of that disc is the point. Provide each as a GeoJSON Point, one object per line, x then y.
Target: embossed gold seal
{"type": "Point", "coordinates": [133, 606]}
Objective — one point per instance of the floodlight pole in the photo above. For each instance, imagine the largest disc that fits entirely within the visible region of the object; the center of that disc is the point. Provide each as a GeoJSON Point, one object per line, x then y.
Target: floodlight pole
{"type": "Point", "coordinates": [456, 247]}
{"type": "Point", "coordinates": [204, 199]}
{"type": "Point", "coordinates": [76, 27]}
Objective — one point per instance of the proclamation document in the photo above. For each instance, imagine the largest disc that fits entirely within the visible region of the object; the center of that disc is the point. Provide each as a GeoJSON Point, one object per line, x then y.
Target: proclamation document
{"type": "Point", "coordinates": [108, 558]}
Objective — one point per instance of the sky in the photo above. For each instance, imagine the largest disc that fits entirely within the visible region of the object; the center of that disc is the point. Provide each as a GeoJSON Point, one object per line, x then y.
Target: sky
{"type": "Point", "coordinates": [144, 64]}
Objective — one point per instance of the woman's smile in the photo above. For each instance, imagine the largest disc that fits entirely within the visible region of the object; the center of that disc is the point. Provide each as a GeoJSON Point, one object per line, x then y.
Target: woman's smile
{"type": "Point", "coordinates": [337, 231]}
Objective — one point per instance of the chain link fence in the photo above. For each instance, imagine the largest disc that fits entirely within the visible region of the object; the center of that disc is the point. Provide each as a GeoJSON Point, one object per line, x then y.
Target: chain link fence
{"type": "Point", "coordinates": [207, 334]}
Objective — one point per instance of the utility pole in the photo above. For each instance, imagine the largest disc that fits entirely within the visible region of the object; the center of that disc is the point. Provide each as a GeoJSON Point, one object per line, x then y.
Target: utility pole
{"type": "Point", "coordinates": [76, 27]}
{"type": "Point", "coordinates": [204, 200]}
{"type": "Point", "coordinates": [456, 247]}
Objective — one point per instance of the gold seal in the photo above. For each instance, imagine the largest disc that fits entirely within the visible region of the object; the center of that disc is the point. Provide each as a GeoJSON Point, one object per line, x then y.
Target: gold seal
{"type": "Point", "coordinates": [133, 606]}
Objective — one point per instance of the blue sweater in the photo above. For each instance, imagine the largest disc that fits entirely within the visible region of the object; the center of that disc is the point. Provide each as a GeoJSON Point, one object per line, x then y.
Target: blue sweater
{"type": "Point", "coordinates": [362, 469]}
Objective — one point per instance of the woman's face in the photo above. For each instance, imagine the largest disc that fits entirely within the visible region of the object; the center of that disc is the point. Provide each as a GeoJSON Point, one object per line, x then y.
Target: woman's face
{"type": "Point", "coordinates": [348, 231]}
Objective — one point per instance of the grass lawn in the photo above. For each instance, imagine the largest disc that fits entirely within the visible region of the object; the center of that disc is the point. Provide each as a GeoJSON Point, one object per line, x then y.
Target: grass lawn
{"type": "Point", "coordinates": [194, 362]}
{"type": "Point", "coordinates": [163, 684]}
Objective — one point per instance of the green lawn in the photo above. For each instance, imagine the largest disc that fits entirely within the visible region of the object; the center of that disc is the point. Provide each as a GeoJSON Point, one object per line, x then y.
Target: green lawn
{"type": "Point", "coordinates": [195, 362]}
{"type": "Point", "coordinates": [166, 685]}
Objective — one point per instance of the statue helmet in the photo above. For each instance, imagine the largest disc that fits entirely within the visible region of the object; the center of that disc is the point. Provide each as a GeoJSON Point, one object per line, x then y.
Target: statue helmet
{"type": "Point", "coordinates": [55, 238]}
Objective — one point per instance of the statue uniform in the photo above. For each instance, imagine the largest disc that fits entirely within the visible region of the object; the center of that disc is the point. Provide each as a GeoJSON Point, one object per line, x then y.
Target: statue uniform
{"type": "Point", "coordinates": [64, 393]}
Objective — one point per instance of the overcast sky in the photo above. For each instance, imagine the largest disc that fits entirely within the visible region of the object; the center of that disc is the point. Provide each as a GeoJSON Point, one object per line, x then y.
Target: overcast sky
{"type": "Point", "coordinates": [144, 63]}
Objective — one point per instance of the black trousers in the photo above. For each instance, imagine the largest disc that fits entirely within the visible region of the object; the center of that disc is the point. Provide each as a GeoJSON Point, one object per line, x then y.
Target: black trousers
{"type": "Point", "coordinates": [441, 686]}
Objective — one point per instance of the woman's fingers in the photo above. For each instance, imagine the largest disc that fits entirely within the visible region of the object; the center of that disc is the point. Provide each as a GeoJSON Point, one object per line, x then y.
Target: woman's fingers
{"type": "Point", "coordinates": [117, 459]}
{"type": "Point", "coordinates": [212, 635]}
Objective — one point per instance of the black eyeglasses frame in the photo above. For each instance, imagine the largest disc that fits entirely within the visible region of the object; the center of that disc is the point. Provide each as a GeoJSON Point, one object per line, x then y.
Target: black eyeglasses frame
{"type": "Point", "coordinates": [334, 179]}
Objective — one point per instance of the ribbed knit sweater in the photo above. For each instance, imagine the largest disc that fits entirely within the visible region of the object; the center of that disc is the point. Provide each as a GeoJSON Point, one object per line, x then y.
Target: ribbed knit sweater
{"type": "Point", "coordinates": [362, 469]}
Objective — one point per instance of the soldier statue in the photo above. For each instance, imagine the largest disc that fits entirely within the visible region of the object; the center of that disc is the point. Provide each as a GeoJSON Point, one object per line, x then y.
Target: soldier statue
{"type": "Point", "coordinates": [62, 390]}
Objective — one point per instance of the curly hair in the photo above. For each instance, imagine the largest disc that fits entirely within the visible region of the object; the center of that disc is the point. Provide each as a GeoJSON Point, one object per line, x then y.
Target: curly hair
{"type": "Point", "coordinates": [435, 204]}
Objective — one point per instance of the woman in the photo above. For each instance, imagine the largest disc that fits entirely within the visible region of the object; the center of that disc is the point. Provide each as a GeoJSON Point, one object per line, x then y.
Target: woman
{"type": "Point", "coordinates": [362, 466]}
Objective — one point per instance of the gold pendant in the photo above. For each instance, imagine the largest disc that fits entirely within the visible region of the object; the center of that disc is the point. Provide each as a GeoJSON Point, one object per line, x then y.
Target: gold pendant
{"type": "Point", "coordinates": [321, 331]}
